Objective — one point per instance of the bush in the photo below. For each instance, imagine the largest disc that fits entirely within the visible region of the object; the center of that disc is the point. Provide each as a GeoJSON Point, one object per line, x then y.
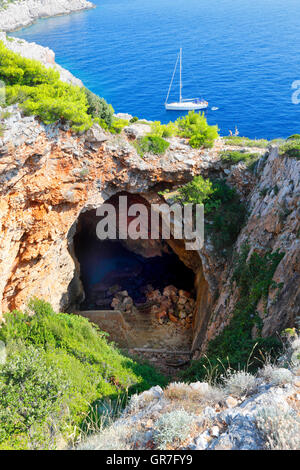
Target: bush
{"type": "Point", "coordinates": [226, 214]}
{"type": "Point", "coordinates": [114, 437]}
{"type": "Point", "coordinates": [294, 137]}
{"type": "Point", "coordinates": [280, 429]}
{"type": "Point", "coordinates": [151, 144]}
{"type": "Point", "coordinates": [239, 383]}
{"type": "Point", "coordinates": [163, 130]}
{"type": "Point", "coordinates": [77, 352]}
{"type": "Point", "coordinates": [197, 191]}
{"type": "Point", "coordinates": [223, 209]}
{"type": "Point", "coordinates": [290, 149]}
{"type": "Point", "coordinates": [194, 126]}
{"type": "Point", "coordinates": [118, 125]}
{"type": "Point", "coordinates": [172, 428]}
{"type": "Point", "coordinates": [30, 392]}
{"type": "Point", "coordinates": [98, 108]}
{"type": "Point", "coordinates": [235, 157]}
{"type": "Point", "coordinates": [133, 120]}
{"type": "Point", "coordinates": [276, 375]}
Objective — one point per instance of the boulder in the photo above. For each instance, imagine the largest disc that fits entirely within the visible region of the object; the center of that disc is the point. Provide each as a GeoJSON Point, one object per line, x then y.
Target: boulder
{"type": "Point", "coordinates": [231, 402]}
{"type": "Point", "coordinates": [201, 387]}
{"type": "Point", "coordinates": [136, 131]}
{"type": "Point", "coordinates": [170, 290]}
{"type": "Point", "coordinates": [173, 318]}
{"type": "Point", "coordinates": [96, 135]}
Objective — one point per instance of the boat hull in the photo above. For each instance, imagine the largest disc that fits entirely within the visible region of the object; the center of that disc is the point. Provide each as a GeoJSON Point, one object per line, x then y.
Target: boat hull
{"type": "Point", "coordinates": [186, 106]}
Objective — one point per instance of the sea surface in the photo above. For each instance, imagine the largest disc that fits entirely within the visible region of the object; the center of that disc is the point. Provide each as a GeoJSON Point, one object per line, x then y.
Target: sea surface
{"type": "Point", "coordinates": [242, 56]}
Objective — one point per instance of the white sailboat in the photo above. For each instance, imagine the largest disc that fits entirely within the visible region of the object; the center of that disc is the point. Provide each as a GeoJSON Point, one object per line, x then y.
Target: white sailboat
{"type": "Point", "coordinates": [183, 104]}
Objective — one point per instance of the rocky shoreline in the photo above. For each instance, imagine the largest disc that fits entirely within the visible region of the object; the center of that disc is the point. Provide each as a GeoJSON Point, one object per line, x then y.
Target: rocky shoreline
{"type": "Point", "coordinates": [23, 13]}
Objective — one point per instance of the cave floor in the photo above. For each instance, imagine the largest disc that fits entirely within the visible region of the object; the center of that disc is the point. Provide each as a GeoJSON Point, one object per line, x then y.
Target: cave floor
{"type": "Point", "coordinates": [146, 333]}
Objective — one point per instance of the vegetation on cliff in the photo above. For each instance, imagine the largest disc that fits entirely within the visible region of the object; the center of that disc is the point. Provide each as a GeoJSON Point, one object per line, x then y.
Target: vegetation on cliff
{"type": "Point", "coordinates": [59, 370]}
{"type": "Point", "coordinates": [39, 91]}
{"type": "Point", "coordinates": [291, 148]}
{"type": "Point", "coordinates": [246, 142]}
{"type": "Point", "coordinates": [224, 212]}
{"type": "Point", "coordinates": [151, 144]}
{"type": "Point", "coordinates": [195, 127]}
{"type": "Point", "coordinates": [235, 347]}
{"type": "Point", "coordinates": [233, 157]}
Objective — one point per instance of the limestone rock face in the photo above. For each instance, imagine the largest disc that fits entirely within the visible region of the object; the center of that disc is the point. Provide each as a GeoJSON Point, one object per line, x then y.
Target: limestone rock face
{"type": "Point", "coordinates": [273, 224]}
{"type": "Point", "coordinates": [22, 13]}
{"type": "Point", "coordinates": [48, 176]}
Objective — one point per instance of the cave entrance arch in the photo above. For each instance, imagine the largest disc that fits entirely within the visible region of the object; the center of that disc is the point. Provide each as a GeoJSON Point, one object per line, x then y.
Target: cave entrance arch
{"type": "Point", "coordinates": [112, 266]}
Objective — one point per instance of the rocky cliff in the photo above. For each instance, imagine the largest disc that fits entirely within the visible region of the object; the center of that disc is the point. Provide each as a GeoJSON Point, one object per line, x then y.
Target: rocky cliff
{"type": "Point", "coordinates": [21, 13]}
{"type": "Point", "coordinates": [49, 176]}
{"type": "Point", "coordinates": [273, 225]}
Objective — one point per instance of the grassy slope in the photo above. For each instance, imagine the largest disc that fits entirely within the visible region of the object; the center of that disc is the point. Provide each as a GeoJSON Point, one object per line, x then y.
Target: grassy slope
{"type": "Point", "coordinates": [81, 370]}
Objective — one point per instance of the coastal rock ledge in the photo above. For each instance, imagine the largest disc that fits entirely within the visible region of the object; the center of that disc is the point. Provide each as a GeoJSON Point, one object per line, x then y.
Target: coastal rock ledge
{"type": "Point", "coordinates": [21, 13]}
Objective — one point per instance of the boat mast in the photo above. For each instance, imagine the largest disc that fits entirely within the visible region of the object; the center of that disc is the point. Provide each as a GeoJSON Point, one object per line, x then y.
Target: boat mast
{"type": "Point", "coordinates": [170, 87]}
{"type": "Point", "coordinates": [180, 86]}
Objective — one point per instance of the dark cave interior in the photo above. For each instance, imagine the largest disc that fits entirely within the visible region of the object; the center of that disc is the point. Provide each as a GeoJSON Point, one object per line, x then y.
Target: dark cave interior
{"type": "Point", "coordinates": [109, 266]}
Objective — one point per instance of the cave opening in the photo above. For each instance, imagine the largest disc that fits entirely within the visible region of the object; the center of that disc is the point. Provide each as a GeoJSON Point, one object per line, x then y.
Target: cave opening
{"type": "Point", "coordinates": [109, 266]}
{"type": "Point", "coordinates": [139, 291]}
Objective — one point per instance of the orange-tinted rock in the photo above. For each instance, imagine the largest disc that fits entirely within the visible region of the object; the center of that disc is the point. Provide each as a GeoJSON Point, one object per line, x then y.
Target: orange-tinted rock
{"type": "Point", "coordinates": [173, 318]}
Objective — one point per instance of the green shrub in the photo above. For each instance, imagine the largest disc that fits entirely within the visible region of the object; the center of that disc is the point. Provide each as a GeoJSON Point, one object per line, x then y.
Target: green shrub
{"type": "Point", "coordinates": [118, 125]}
{"type": "Point", "coordinates": [235, 347]}
{"type": "Point", "coordinates": [290, 149]}
{"type": "Point", "coordinates": [194, 126]}
{"type": "Point", "coordinates": [234, 157]}
{"type": "Point", "coordinates": [245, 142]}
{"type": "Point", "coordinates": [226, 215]}
{"type": "Point", "coordinates": [151, 144]}
{"type": "Point", "coordinates": [40, 92]}
{"type": "Point", "coordinates": [294, 137]}
{"type": "Point", "coordinates": [164, 130]}
{"type": "Point", "coordinates": [224, 211]}
{"type": "Point", "coordinates": [88, 368]}
{"type": "Point", "coordinates": [133, 120]}
{"type": "Point", "coordinates": [30, 392]}
{"type": "Point", "coordinates": [98, 108]}
{"type": "Point", "coordinates": [197, 191]}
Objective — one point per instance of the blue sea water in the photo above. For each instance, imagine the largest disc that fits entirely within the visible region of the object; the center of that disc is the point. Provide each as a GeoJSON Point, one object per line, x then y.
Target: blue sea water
{"type": "Point", "coordinates": [242, 56]}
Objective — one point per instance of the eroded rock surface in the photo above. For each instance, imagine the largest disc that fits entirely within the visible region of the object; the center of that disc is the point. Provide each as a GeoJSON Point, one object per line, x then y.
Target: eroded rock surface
{"type": "Point", "coordinates": [245, 412]}
{"type": "Point", "coordinates": [49, 176]}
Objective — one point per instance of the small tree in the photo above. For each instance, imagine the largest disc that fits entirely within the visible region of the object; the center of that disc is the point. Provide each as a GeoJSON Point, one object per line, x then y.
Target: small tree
{"type": "Point", "coordinates": [194, 126]}
{"type": "Point", "coordinates": [98, 108]}
{"type": "Point", "coordinates": [197, 191]}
